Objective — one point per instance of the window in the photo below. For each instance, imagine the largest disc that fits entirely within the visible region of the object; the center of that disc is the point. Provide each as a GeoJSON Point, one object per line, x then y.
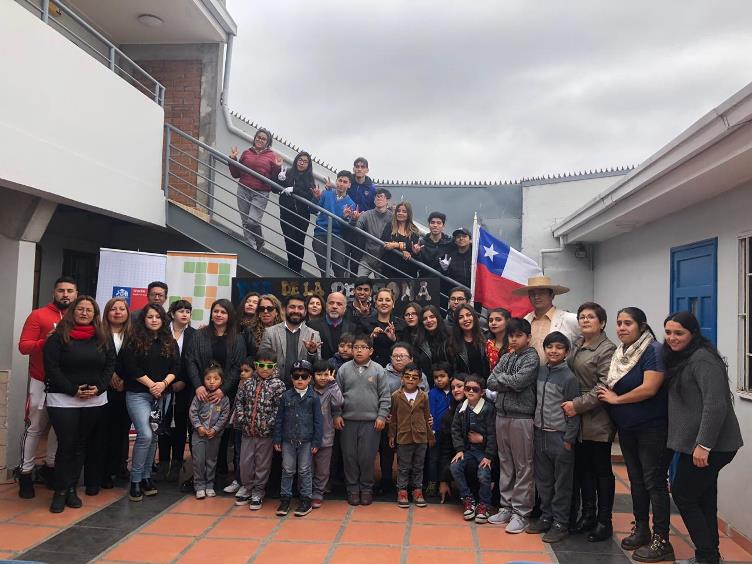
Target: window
{"type": "Point", "coordinates": [745, 315]}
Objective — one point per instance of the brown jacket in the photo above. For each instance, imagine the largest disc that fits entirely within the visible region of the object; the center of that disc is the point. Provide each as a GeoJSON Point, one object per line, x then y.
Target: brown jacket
{"type": "Point", "coordinates": [408, 424]}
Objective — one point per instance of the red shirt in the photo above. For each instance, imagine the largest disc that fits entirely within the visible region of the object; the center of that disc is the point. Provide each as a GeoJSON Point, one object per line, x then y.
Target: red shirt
{"type": "Point", "coordinates": [263, 162]}
{"type": "Point", "coordinates": [492, 353]}
{"type": "Point", "coordinates": [34, 334]}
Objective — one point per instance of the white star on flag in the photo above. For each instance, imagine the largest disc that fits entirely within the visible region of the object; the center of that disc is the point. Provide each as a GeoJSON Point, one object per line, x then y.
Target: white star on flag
{"type": "Point", "coordinates": [490, 252]}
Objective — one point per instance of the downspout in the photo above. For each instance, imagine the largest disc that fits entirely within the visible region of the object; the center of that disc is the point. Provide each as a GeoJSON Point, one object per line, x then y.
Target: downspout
{"type": "Point", "coordinates": [542, 252]}
{"type": "Point", "coordinates": [226, 76]}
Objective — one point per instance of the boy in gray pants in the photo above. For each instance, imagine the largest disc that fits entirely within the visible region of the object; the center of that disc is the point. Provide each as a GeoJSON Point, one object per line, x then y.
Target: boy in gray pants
{"type": "Point", "coordinates": [330, 398]}
{"type": "Point", "coordinates": [208, 421]}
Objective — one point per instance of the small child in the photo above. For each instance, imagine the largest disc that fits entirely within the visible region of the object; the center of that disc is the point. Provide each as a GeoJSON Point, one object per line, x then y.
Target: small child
{"type": "Point", "coordinates": [410, 430]}
{"type": "Point", "coordinates": [344, 351]}
{"type": "Point", "coordinates": [366, 406]}
{"type": "Point", "coordinates": [208, 420]}
{"type": "Point", "coordinates": [513, 379]}
{"type": "Point", "coordinates": [256, 405]}
{"type": "Point", "coordinates": [297, 435]}
{"type": "Point", "coordinates": [330, 398]}
{"type": "Point", "coordinates": [246, 371]}
{"type": "Point", "coordinates": [555, 435]}
{"type": "Point", "coordinates": [439, 400]}
{"type": "Point", "coordinates": [474, 441]}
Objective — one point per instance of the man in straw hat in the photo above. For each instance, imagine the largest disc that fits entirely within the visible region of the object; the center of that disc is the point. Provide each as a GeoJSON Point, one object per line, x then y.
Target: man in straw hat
{"type": "Point", "coordinates": [545, 318]}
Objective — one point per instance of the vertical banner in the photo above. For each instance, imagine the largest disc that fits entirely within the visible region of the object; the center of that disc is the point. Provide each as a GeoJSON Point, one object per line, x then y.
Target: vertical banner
{"type": "Point", "coordinates": [126, 274]}
{"type": "Point", "coordinates": [200, 278]}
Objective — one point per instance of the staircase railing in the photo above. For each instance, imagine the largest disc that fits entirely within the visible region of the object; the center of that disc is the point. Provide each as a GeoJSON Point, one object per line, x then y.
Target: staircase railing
{"type": "Point", "coordinates": [197, 176]}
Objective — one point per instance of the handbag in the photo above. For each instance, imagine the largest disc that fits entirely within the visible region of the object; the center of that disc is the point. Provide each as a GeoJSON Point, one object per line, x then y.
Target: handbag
{"type": "Point", "coordinates": [157, 420]}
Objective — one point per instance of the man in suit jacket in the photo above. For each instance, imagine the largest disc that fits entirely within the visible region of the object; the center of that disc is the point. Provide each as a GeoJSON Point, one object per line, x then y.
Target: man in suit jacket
{"type": "Point", "coordinates": [545, 318]}
{"type": "Point", "coordinates": [292, 339]}
{"type": "Point", "coordinates": [333, 324]}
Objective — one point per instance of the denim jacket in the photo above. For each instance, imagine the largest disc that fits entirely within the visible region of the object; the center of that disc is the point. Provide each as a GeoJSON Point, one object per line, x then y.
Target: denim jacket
{"type": "Point", "coordinates": [299, 418]}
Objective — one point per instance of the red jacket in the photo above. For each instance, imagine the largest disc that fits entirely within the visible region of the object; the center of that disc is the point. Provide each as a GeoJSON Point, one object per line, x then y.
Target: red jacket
{"type": "Point", "coordinates": [33, 335]}
{"type": "Point", "coordinates": [265, 163]}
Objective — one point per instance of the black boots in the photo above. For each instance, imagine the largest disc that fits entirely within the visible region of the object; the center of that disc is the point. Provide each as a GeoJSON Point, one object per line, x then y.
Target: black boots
{"type": "Point", "coordinates": [640, 536]}
{"type": "Point", "coordinates": [603, 529]}
{"type": "Point", "coordinates": [586, 522]}
{"type": "Point", "coordinates": [26, 486]}
{"type": "Point", "coordinates": [58, 502]}
{"type": "Point", "coordinates": [72, 499]}
{"type": "Point", "coordinates": [658, 550]}
{"type": "Point", "coordinates": [135, 493]}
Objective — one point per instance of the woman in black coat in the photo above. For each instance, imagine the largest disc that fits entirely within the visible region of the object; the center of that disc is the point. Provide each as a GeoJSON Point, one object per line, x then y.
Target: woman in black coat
{"type": "Point", "coordinates": [432, 343]}
{"type": "Point", "coordinates": [294, 214]}
{"type": "Point", "coordinates": [383, 326]}
{"type": "Point", "coordinates": [468, 343]}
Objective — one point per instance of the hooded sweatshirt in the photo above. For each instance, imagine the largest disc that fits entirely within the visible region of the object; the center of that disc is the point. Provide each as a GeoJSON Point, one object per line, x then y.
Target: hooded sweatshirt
{"type": "Point", "coordinates": [264, 162]}
{"type": "Point", "coordinates": [330, 398]}
{"type": "Point", "coordinates": [556, 384]}
{"type": "Point", "coordinates": [38, 325]}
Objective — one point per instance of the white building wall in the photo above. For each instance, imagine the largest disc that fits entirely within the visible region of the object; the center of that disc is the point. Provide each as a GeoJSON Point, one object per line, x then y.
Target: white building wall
{"type": "Point", "coordinates": [634, 270]}
{"type": "Point", "coordinates": [542, 206]}
{"type": "Point", "coordinates": [71, 130]}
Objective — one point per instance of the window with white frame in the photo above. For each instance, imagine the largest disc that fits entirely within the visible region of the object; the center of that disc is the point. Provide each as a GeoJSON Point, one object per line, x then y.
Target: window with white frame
{"type": "Point", "coordinates": [745, 313]}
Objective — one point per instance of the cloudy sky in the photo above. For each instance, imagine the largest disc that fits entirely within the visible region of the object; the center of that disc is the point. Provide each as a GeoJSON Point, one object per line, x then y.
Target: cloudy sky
{"type": "Point", "coordinates": [489, 89]}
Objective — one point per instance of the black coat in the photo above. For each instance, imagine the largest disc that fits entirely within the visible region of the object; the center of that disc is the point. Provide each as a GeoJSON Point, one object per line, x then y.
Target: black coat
{"type": "Point", "coordinates": [68, 366]}
{"type": "Point", "coordinates": [330, 344]}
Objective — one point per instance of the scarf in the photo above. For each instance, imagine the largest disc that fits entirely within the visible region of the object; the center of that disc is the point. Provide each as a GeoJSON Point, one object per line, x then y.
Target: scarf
{"type": "Point", "coordinates": [624, 360]}
{"type": "Point", "coordinates": [82, 332]}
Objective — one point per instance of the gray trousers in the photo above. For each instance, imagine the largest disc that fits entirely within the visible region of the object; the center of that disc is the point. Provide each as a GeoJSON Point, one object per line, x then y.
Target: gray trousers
{"type": "Point", "coordinates": [321, 465]}
{"type": "Point", "coordinates": [204, 452]}
{"type": "Point", "coordinates": [360, 443]}
{"type": "Point", "coordinates": [251, 205]}
{"type": "Point", "coordinates": [554, 475]}
{"type": "Point", "coordinates": [338, 254]}
{"type": "Point", "coordinates": [514, 438]}
{"type": "Point", "coordinates": [255, 464]}
{"type": "Point", "coordinates": [411, 460]}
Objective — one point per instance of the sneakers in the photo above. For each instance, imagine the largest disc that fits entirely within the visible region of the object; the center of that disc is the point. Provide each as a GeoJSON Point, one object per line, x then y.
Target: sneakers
{"type": "Point", "coordinates": [233, 488]}
{"type": "Point", "coordinates": [200, 494]}
{"type": "Point", "coordinates": [317, 503]}
{"type": "Point", "coordinates": [418, 498]}
{"type": "Point", "coordinates": [304, 507]}
{"type": "Point", "coordinates": [556, 533]}
{"type": "Point", "coordinates": [402, 499]}
{"type": "Point", "coordinates": [284, 507]}
{"type": "Point", "coordinates": [353, 498]}
{"type": "Point", "coordinates": [517, 524]}
{"type": "Point", "coordinates": [539, 526]}
{"type": "Point", "coordinates": [468, 512]}
{"type": "Point", "coordinates": [481, 514]}
{"type": "Point", "coordinates": [256, 503]}
{"type": "Point", "coordinates": [658, 550]}
{"type": "Point", "coordinates": [366, 498]}
{"type": "Point", "coordinates": [502, 517]}
{"type": "Point", "coordinates": [242, 499]}
{"type": "Point", "coordinates": [210, 492]}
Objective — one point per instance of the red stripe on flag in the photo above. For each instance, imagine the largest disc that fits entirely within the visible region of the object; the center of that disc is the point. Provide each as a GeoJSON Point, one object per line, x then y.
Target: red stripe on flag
{"type": "Point", "coordinates": [491, 290]}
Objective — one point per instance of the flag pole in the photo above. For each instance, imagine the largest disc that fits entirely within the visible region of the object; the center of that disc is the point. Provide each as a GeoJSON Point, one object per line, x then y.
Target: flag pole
{"type": "Point", "coordinates": [474, 263]}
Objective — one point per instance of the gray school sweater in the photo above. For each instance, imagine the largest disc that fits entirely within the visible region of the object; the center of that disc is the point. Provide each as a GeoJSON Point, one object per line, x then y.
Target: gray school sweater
{"type": "Point", "coordinates": [373, 222]}
{"type": "Point", "coordinates": [365, 391]}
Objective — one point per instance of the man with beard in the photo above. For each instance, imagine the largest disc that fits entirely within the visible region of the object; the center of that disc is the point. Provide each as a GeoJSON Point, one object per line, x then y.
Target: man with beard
{"type": "Point", "coordinates": [39, 325]}
{"type": "Point", "coordinates": [334, 323]}
{"type": "Point", "coordinates": [292, 340]}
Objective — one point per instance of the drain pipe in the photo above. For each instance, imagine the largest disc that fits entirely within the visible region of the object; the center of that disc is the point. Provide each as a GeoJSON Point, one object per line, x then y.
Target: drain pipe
{"type": "Point", "coordinates": [226, 76]}
{"type": "Point", "coordinates": [542, 252]}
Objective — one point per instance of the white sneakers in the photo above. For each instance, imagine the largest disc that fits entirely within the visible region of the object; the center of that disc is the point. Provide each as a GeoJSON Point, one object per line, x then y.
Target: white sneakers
{"type": "Point", "coordinates": [232, 488]}
{"type": "Point", "coordinates": [502, 517]}
{"type": "Point", "coordinates": [210, 492]}
{"type": "Point", "coordinates": [516, 525]}
{"type": "Point", "coordinates": [200, 494]}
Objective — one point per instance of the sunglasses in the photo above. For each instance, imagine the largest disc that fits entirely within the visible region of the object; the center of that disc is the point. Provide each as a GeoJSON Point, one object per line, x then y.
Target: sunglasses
{"type": "Point", "coordinates": [266, 364]}
{"type": "Point", "coordinates": [267, 309]}
{"type": "Point", "coordinates": [300, 376]}
{"type": "Point", "coordinates": [411, 377]}
{"type": "Point", "coordinates": [473, 389]}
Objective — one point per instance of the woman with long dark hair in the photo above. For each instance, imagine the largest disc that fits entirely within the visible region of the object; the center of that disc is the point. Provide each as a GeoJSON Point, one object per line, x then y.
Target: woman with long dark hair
{"type": "Point", "coordinates": [116, 324]}
{"type": "Point", "coordinates": [638, 405]}
{"type": "Point", "coordinates": [294, 214]}
{"type": "Point", "coordinates": [383, 326]}
{"type": "Point", "coordinates": [400, 237]}
{"type": "Point", "coordinates": [269, 312]}
{"type": "Point", "coordinates": [444, 442]}
{"type": "Point", "coordinates": [411, 316]}
{"type": "Point", "coordinates": [498, 341]}
{"type": "Point", "coordinates": [468, 343]}
{"type": "Point", "coordinates": [248, 310]}
{"type": "Point", "coordinates": [590, 359]}
{"type": "Point", "coordinates": [78, 365]}
{"type": "Point", "coordinates": [314, 307]}
{"type": "Point", "coordinates": [702, 428]}
{"type": "Point", "coordinates": [432, 342]}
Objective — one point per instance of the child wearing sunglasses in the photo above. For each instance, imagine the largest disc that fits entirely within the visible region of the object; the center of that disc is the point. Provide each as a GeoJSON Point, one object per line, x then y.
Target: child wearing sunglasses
{"type": "Point", "coordinates": [474, 441]}
{"type": "Point", "coordinates": [410, 430]}
{"type": "Point", "coordinates": [256, 406]}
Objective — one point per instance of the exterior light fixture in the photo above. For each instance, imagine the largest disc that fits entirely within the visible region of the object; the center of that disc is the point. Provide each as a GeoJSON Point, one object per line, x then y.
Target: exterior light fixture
{"type": "Point", "coordinates": [150, 20]}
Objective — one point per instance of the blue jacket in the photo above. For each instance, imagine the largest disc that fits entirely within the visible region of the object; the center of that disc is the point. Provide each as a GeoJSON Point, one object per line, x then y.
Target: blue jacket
{"type": "Point", "coordinates": [330, 203]}
{"type": "Point", "coordinates": [363, 194]}
{"type": "Point", "coordinates": [299, 418]}
{"type": "Point", "coordinates": [438, 403]}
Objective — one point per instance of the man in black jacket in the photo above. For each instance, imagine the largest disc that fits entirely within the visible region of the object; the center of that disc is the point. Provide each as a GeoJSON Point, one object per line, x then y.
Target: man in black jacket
{"type": "Point", "coordinates": [333, 324]}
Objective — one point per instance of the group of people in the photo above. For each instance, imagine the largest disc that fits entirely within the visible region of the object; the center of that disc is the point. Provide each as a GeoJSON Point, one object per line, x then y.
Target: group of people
{"type": "Point", "coordinates": [521, 418]}
{"type": "Point", "coordinates": [373, 236]}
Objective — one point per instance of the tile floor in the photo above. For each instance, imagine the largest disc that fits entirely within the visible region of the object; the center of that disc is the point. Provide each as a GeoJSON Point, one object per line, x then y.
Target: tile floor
{"type": "Point", "coordinates": [170, 528]}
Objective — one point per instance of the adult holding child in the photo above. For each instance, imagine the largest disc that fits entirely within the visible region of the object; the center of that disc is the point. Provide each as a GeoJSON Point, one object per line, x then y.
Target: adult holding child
{"type": "Point", "coordinates": [702, 428]}
{"type": "Point", "coordinates": [78, 366]}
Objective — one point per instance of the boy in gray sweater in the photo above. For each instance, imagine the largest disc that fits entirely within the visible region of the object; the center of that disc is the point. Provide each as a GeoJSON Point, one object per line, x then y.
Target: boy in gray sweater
{"type": "Point", "coordinates": [330, 398]}
{"type": "Point", "coordinates": [513, 380]}
{"type": "Point", "coordinates": [555, 435]}
{"type": "Point", "coordinates": [364, 413]}
{"type": "Point", "coordinates": [373, 222]}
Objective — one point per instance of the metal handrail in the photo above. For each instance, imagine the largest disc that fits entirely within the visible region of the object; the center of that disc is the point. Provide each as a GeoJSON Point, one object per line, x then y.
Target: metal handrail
{"type": "Point", "coordinates": [170, 130]}
{"type": "Point", "coordinates": [157, 91]}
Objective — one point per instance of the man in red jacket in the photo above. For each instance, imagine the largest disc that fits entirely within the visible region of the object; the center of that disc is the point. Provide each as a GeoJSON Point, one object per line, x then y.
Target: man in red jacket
{"type": "Point", "coordinates": [40, 323]}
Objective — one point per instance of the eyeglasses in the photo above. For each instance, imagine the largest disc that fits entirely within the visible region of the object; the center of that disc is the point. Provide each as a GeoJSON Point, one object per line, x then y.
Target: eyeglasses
{"type": "Point", "coordinates": [300, 376]}
{"type": "Point", "coordinates": [411, 314]}
{"type": "Point", "coordinates": [411, 377]}
{"type": "Point", "coordinates": [361, 347]}
{"type": "Point", "coordinates": [473, 389]}
{"type": "Point", "coordinates": [588, 317]}
{"type": "Point", "coordinates": [267, 309]}
{"type": "Point", "coordinates": [458, 300]}
{"type": "Point", "coordinates": [400, 356]}
{"type": "Point", "coordinates": [266, 364]}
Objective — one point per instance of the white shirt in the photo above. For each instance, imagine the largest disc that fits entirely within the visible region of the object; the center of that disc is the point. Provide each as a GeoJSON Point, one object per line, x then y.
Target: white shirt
{"type": "Point", "coordinates": [178, 339]}
{"type": "Point", "coordinates": [411, 396]}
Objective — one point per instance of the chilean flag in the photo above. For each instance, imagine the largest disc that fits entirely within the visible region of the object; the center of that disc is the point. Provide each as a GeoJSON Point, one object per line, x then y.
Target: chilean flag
{"type": "Point", "coordinates": [498, 270]}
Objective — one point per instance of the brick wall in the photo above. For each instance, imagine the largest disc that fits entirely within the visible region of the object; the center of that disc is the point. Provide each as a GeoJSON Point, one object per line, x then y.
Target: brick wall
{"type": "Point", "coordinates": [182, 82]}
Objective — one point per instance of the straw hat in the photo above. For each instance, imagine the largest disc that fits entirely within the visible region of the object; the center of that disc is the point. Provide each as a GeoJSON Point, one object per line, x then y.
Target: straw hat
{"type": "Point", "coordinates": [537, 282]}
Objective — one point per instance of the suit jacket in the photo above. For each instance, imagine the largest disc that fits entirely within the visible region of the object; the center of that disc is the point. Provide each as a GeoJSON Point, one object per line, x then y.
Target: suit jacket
{"type": "Point", "coordinates": [328, 345]}
{"type": "Point", "coordinates": [564, 322]}
{"type": "Point", "coordinates": [408, 424]}
{"type": "Point", "coordinates": [275, 338]}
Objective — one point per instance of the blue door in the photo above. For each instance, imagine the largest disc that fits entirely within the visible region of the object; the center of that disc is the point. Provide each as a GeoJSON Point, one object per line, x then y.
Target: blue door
{"type": "Point", "coordinates": [694, 283]}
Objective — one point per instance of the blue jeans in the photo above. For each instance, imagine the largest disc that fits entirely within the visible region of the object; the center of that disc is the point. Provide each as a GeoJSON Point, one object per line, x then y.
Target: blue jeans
{"type": "Point", "coordinates": [472, 457]}
{"type": "Point", "coordinates": [145, 447]}
{"type": "Point", "coordinates": [297, 458]}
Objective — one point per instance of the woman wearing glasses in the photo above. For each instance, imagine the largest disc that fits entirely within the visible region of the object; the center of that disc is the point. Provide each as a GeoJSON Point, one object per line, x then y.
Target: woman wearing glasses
{"type": "Point", "coordinates": [411, 315]}
{"type": "Point", "coordinates": [268, 313]}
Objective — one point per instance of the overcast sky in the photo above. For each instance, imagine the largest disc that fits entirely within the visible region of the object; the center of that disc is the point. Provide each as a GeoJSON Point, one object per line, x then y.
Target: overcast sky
{"type": "Point", "coordinates": [489, 89]}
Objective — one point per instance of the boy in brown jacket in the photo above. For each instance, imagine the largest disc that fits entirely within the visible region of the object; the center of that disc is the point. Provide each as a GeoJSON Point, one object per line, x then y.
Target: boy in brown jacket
{"type": "Point", "coordinates": [410, 429]}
